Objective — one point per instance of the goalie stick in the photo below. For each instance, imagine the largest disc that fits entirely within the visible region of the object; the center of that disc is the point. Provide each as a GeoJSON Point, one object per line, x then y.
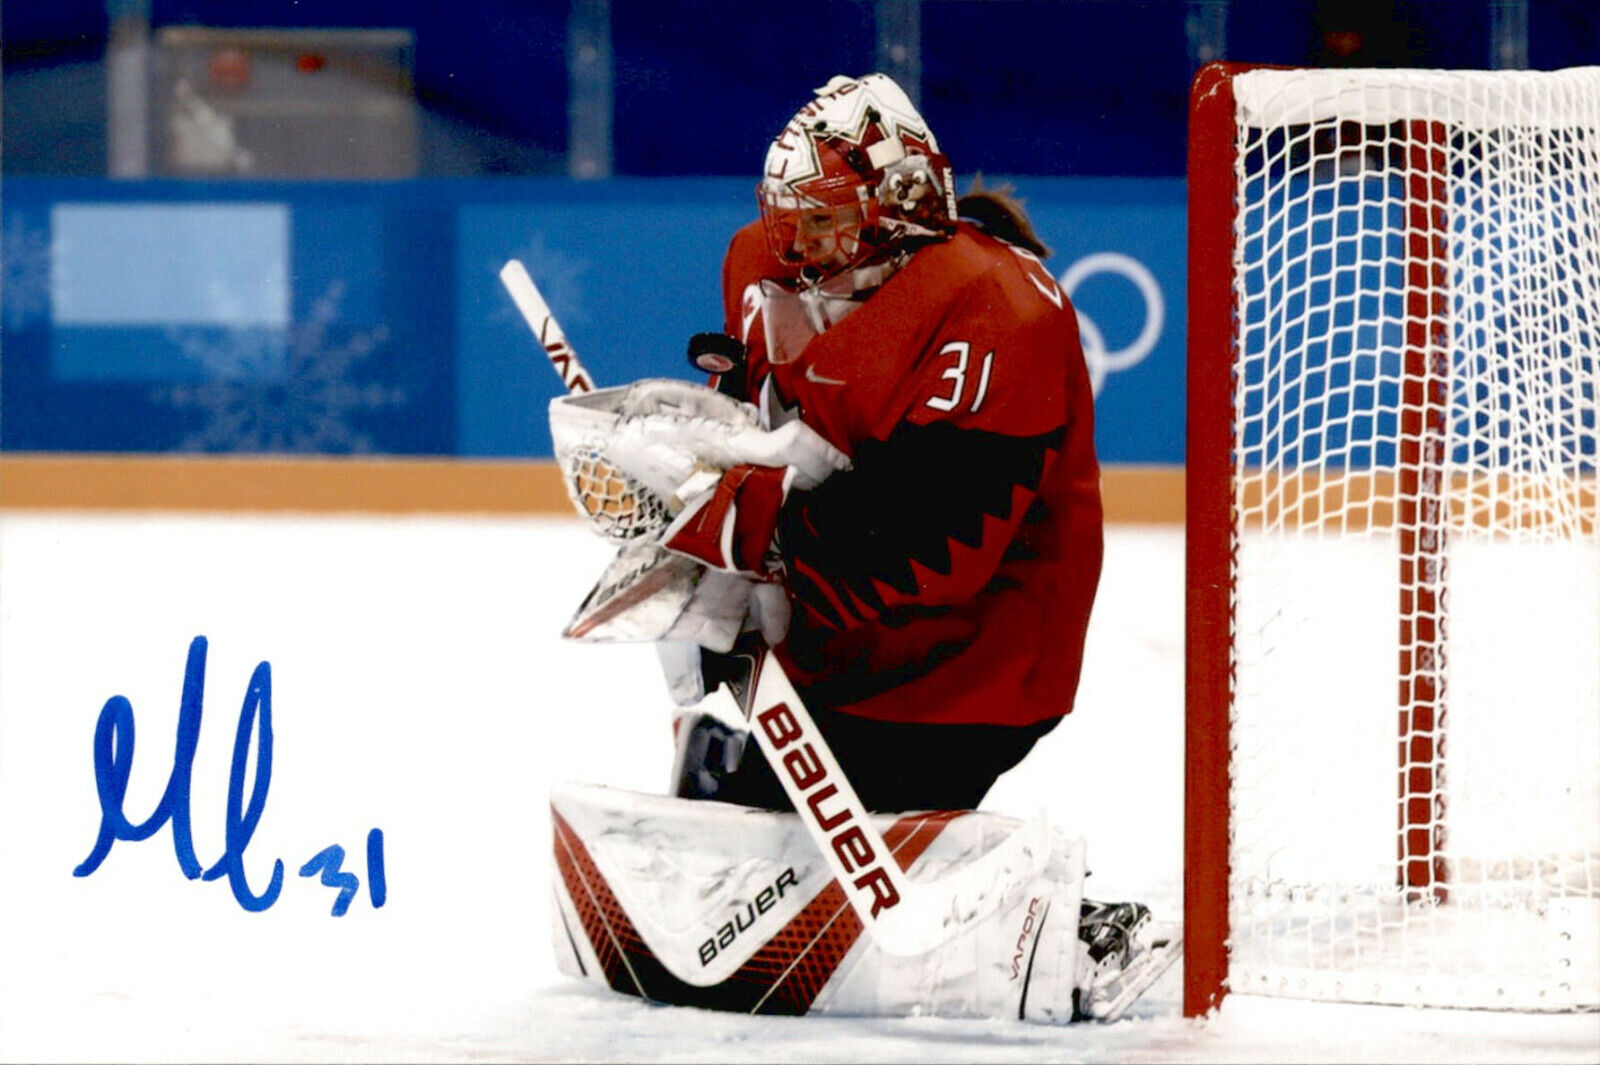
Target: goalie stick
{"type": "Point", "coordinates": [904, 917]}
{"type": "Point", "coordinates": [525, 294]}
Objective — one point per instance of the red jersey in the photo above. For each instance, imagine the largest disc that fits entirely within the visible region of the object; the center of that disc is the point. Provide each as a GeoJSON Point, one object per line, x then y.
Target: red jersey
{"type": "Point", "coordinates": [948, 577]}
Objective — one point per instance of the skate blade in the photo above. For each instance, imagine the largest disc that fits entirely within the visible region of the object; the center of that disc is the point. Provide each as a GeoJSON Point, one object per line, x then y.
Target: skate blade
{"type": "Point", "coordinates": [1136, 979]}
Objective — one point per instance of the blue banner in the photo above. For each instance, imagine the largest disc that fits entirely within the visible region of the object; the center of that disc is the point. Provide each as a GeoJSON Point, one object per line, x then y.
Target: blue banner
{"type": "Point", "coordinates": [332, 318]}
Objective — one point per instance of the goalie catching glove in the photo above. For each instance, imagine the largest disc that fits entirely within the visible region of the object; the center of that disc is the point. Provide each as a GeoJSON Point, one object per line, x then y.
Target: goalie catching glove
{"type": "Point", "coordinates": [634, 456]}
{"type": "Point", "coordinates": [688, 481]}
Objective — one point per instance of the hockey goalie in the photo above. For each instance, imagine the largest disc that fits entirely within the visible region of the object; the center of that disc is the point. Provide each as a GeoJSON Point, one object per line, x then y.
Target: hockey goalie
{"type": "Point", "coordinates": [866, 554]}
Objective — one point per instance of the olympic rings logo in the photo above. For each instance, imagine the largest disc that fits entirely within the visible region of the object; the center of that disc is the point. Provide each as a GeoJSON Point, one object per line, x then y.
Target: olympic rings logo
{"type": "Point", "coordinates": [1102, 362]}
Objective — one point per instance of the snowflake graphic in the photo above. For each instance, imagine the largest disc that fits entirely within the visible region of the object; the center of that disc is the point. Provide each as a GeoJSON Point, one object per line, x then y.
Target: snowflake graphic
{"type": "Point", "coordinates": [24, 273]}
{"type": "Point", "coordinates": [559, 277]}
{"type": "Point", "coordinates": [240, 356]}
{"type": "Point", "coordinates": [307, 410]}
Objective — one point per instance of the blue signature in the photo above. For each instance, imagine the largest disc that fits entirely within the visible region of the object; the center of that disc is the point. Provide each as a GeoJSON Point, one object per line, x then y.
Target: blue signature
{"type": "Point", "coordinates": [113, 762]}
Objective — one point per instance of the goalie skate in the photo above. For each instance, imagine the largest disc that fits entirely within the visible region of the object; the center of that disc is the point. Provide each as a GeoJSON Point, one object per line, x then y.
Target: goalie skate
{"type": "Point", "coordinates": [1126, 954]}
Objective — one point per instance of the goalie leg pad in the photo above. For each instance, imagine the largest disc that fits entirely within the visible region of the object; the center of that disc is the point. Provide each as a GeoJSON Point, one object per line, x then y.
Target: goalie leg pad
{"type": "Point", "coordinates": [706, 904]}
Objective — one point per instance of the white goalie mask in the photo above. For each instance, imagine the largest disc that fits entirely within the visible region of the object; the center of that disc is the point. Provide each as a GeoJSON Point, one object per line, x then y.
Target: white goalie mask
{"type": "Point", "coordinates": [854, 178]}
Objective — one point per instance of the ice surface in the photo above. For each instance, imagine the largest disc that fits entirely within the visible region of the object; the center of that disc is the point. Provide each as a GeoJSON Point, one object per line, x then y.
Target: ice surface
{"type": "Point", "coordinates": [418, 686]}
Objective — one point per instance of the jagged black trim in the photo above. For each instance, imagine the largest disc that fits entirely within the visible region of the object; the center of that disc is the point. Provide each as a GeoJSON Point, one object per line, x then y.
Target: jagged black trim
{"type": "Point", "coordinates": [907, 500]}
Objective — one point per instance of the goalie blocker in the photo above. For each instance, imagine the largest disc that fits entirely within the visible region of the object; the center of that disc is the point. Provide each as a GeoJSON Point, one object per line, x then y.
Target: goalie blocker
{"type": "Point", "coordinates": [723, 907]}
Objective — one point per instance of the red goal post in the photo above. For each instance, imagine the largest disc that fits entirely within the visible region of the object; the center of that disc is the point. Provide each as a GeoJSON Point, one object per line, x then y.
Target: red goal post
{"type": "Point", "coordinates": [1393, 564]}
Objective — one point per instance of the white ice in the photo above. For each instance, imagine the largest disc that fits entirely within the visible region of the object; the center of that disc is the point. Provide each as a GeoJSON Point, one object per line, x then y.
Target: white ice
{"type": "Point", "coordinates": [419, 686]}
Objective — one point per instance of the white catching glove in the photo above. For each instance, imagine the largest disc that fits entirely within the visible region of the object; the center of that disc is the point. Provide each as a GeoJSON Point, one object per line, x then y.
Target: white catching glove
{"type": "Point", "coordinates": [663, 451]}
{"type": "Point", "coordinates": [631, 455]}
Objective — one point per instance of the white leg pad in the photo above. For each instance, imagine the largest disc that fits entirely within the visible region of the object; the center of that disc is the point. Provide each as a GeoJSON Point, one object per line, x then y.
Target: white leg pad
{"type": "Point", "coordinates": [702, 903]}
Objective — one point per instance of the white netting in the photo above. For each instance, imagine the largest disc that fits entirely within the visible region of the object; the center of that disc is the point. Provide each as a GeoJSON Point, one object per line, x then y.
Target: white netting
{"type": "Point", "coordinates": [618, 506]}
{"type": "Point", "coordinates": [1416, 715]}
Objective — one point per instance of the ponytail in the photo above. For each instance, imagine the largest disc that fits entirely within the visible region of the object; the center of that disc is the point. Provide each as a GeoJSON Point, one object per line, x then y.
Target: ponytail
{"type": "Point", "coordinates": [998, 213]}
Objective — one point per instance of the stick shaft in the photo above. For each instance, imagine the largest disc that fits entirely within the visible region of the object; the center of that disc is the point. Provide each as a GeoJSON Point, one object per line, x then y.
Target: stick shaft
{"type": "Point", "coordinates": [514, 276]}
{"type": "Point", "coordinates": [904, 917]}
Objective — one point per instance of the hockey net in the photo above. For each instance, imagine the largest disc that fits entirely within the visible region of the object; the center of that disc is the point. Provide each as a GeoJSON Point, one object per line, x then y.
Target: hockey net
{"type": "Point", "coordinates": [1393, 536]}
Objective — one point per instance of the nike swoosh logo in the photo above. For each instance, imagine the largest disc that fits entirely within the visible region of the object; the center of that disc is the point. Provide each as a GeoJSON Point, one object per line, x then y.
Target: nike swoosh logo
{"type": "Point", "coordinates": [817, 379]}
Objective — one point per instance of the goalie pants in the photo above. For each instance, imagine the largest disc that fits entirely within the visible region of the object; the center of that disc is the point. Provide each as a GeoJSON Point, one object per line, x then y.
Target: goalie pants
{"type": "Point", "coordinates": [894, 766]}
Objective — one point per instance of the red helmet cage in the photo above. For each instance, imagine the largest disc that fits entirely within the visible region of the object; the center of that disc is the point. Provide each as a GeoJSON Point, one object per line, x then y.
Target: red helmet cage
{"type": "Point", "coordinates": [832, 228]}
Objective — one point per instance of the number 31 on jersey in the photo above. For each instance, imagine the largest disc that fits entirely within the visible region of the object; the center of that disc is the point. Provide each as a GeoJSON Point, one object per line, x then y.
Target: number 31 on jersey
{"type": "Point", "coordinates": [957, 375]}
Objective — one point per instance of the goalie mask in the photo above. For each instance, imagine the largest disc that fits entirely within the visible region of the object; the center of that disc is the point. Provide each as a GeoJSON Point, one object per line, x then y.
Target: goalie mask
{"type": "Point", "coordinates": [855, 178]}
